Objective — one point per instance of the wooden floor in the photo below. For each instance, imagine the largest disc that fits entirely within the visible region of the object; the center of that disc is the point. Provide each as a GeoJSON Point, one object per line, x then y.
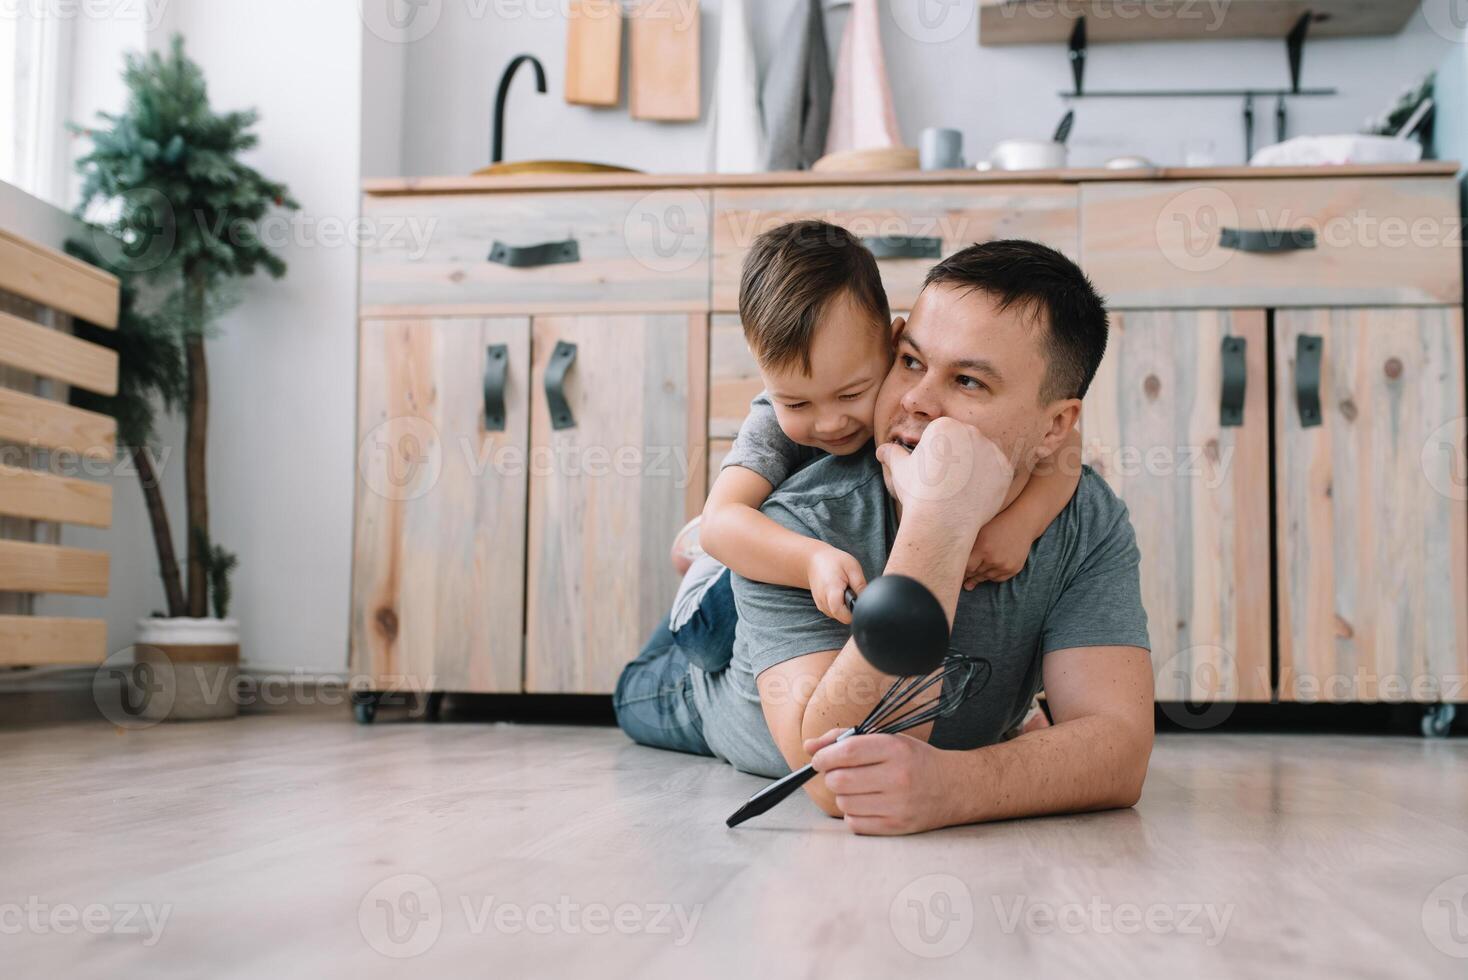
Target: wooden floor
{"type": "Point", "coordinates": [303, 845]}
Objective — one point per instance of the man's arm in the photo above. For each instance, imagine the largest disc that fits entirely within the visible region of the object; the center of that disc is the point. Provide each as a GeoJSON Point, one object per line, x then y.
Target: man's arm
{"type": "Point", "coordinates": [806, 696]}
{"type": "Point", "coordinates": [951, 485]}
{"type": "Point", "coordinates": [1094, 758]}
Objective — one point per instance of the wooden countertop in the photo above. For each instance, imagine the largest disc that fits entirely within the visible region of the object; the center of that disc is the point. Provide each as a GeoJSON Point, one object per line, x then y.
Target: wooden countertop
{"type": "Point", "coordinates": [797, 178]}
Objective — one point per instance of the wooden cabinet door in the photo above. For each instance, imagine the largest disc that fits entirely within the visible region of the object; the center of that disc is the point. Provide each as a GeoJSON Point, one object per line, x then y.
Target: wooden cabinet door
{"type": "Point", "coordinates": [438, 571]}
{"type": "Point", "coordinates": [1197, 491]}
{"type": "Point", "coordinates": [1372, 528]}
{"type": "Point", "coordinates": [610, 485]}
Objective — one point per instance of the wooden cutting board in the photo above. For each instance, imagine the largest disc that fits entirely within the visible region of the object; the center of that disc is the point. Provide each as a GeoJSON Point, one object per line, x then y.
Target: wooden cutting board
{"type": "Point", "coordinates": [664, 79]}
{"type": "Point", "coordinates": [594, 52]}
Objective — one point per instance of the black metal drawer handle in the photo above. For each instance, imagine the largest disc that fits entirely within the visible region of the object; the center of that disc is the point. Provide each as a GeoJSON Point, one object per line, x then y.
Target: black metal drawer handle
{"type": "Point", "coordinates": [1308, 349]}
{"type": "Point", "coordinates": [561, 360]}
{"type": "Point", "coordinates": [904, 247]}
{"type": "Point", "coordinates": [1257, 240]}
{"type": "Point", "coordinates": [1235, 382]}
{"type": "Point", "coordinates": [496, 371]}
{"type": "Point", "coordinates": [531, 256]}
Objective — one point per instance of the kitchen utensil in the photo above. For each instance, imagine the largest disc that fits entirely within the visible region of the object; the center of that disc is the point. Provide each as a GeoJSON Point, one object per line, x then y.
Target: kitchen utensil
{"type": "Point", "coordinates": [853, 161]}
{"type": "Point", "coordinates": [594, 52]}
{"type": "Point", "coordinates": [908, 703]}
{"type": "Point", "coordinates": [940, 149]}
{"type": "Point", "coordinates": [900, 628]}
{"type": "Point", "coordinates": [1062, 132]}
{"type": "Point", "coordinates": [1025, 155]}
{"type": "Point", "coordinates": [664, 80]}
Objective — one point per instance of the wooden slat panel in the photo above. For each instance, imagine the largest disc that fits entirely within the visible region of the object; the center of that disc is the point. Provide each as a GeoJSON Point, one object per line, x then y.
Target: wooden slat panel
{"type": "Point", "coordinates": [1372, 528]}
{"type": "Point", "coordinates": [27, 567]}
{"type": "Point", "coordinates": [606, 496]}
{"type": "Point", "coordinates": [29, 420]}
{"type": "Point", "coordinates": [35, 641]}
{"type": "Point", "coordinates": [959, 216]}
{"type": "Point", "coordinates": [1387, 242]}
{"type": "Point", "coordinates": [55, 354]}
{"type": "Point", "coordinates": [47, 497]}
{"type": "Point", "coordinates": [438, 571]}
{"type": "Point", "coordinates": [57, 280]}
{"type": "Point", "coordinates": [1198, 494]}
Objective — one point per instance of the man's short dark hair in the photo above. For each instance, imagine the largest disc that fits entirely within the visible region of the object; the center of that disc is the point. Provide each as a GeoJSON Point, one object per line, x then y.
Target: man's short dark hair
{"type": "Point", "coordinates": [791, 275]}
{"type": "Point", "coordinates": [1040, 280]}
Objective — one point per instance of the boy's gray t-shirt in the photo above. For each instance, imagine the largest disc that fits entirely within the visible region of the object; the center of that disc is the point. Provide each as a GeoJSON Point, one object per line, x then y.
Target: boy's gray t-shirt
{"type": "Point", "coordinates": [1079, 588]}
{"type": "Point", "coordinates": [762, 446]}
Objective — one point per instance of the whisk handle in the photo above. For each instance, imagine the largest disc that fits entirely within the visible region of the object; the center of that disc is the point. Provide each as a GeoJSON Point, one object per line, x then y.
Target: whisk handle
{"type": "Point", "coordinates": [781, 788]}
{"type": "Point", "coordinates": [772, 794]}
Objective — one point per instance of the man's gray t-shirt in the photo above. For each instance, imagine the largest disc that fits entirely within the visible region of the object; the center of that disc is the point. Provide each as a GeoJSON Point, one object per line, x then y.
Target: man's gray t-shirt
{"type": "Point", "coordinates": [1079, 588]}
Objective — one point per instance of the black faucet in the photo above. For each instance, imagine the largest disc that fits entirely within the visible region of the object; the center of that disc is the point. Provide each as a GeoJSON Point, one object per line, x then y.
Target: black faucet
{"type": "Point", "coordinates": [497, 151]}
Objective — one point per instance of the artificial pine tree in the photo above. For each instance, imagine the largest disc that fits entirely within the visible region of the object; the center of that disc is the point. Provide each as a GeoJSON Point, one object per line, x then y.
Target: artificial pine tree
{"type": "Point", "coordinates": [150, 371]}
{"type": "Point", "coordinates": [186, 211]}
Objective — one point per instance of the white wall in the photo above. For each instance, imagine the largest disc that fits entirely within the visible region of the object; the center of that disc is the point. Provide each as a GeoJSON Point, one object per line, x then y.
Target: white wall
{"type": "Point", "coordinates": [988, 93]}
{"type": "Point", "coordinates": [283, 364]}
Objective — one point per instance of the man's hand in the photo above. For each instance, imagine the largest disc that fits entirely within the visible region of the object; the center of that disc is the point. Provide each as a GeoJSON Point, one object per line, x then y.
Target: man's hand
{"type": "Point", "coordinates": [883, 784]}
{"type": "Point", "coordinates": [956, 475]}
{"type": "Point", "coordinates": [831, 572]}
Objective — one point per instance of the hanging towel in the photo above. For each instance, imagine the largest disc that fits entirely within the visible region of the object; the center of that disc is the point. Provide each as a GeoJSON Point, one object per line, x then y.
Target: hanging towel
{"type": "Point", "coordinates": [738, 145]}
{"type": "Point", "coordinates": [862, 113]}
{"type": "Point", "coordinates": [796, 95]}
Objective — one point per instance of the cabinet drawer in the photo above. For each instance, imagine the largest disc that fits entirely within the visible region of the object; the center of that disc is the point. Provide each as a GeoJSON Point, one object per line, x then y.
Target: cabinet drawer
{"type": "Point", "coordinates": [916, 224]}
{"type": "Point", "coordinates": [1380, 242]}
{"type": "Point", "coordinates": [633, 250]}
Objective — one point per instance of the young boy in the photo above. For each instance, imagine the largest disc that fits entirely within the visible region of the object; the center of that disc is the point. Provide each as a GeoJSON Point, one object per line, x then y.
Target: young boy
{"type": "Point", "coordinates": [816, 318]}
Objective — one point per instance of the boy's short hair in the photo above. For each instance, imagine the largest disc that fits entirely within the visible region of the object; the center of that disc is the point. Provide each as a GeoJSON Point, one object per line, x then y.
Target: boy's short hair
{"type": "Point", "coordinates": [790, 276]}
{"type": "Point", "coordinates": [1041, 281]}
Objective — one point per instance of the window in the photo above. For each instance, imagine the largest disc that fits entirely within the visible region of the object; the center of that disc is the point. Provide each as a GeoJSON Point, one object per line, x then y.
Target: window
{"type": "Point", "coordinates": [34, 54]}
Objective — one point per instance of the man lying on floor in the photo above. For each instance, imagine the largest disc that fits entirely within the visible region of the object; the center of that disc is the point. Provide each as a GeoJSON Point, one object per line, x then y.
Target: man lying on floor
{"type": "Point", "coordinates": [986, 383]}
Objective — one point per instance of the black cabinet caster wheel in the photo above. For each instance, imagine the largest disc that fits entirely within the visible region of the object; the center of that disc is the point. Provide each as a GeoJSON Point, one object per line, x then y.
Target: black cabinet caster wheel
{"type": "Point", "coordinates": [432, 706]}
{"type": "Point", "coordinates": [364, 706]}
{"type": "Point", "coordinates": [1437, 720]}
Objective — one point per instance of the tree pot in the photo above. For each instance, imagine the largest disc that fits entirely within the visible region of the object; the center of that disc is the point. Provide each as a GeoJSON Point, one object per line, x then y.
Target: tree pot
{"type": "Point", "coordinates": [187, 669]}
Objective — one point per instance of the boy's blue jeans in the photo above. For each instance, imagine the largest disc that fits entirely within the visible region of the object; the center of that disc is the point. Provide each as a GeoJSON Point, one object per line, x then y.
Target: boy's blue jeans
{"type": "Point", "coordinates": [654, 698]}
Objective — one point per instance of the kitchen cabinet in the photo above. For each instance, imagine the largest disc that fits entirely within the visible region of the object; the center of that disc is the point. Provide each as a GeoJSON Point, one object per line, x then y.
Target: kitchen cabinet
{"type": "Point", "coordinates": [1197, 487]}
{"type": "Point", "coordinates": [1372, 525]}
{"type": "Point", "coordinates": [610, 485]}
{"type": "Point", "coordinates": [908, 228]}
{"type": "Point", "coordinates": [464, 463]}
{"type": "Point", "coordinates": [438, 564]}
{"type": "Point", "coordinates": [523, 548]}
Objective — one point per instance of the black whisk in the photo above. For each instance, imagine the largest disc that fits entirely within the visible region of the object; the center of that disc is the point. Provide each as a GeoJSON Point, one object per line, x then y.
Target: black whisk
{"type": "Point", "coordinates": [908, 703]}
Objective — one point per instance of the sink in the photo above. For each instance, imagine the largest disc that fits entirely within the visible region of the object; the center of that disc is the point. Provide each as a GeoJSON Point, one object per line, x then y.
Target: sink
{"type": "Point", "coordinates": [550, 167]}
